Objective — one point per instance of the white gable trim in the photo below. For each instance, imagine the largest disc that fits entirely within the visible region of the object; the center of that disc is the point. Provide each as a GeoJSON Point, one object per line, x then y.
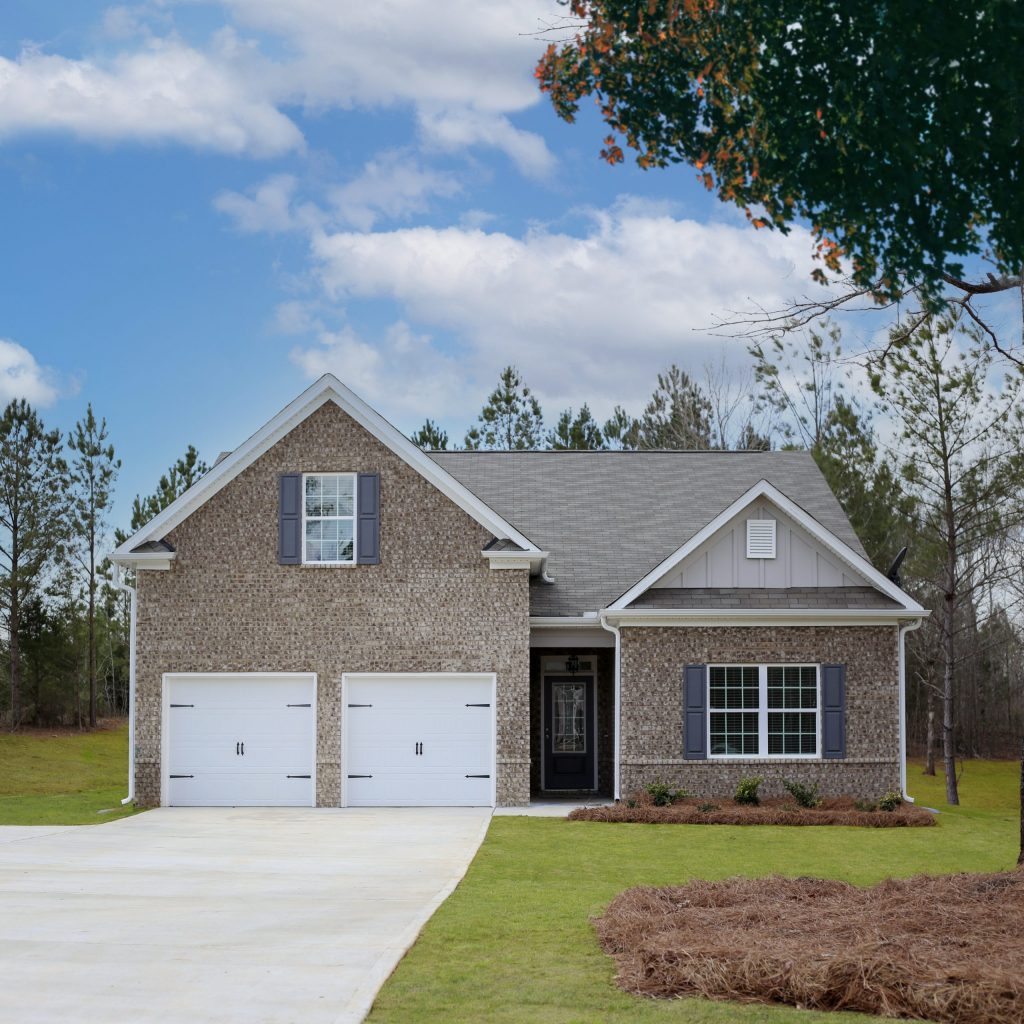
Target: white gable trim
{"type": "Point", "coordinates": [327, 389]}
{"type": "Point", "coordinates": [763, 489]}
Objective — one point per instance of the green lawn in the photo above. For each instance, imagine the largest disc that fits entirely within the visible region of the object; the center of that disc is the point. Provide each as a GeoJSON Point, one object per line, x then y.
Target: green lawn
{"type": "Point", "coordinates": [514, 942]}
{"type": "Point", "coordinates": [63, 778]}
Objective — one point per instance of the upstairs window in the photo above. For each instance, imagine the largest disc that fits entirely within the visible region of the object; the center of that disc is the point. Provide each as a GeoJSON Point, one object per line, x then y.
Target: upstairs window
{"type": "Point", "coordinates": [328, 518]}
{"type": "Point", "coordinates": [760, 538]}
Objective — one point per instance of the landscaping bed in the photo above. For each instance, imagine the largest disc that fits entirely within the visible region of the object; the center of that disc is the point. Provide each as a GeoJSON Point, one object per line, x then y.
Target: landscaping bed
{"type": "Point", "coordinates": [946, 948]}
{"type": "Point", "coordinates": [641, 809]}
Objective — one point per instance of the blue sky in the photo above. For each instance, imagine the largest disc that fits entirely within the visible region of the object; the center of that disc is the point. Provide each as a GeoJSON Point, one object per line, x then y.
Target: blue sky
{"type": "Point", "coordinates": [206, 205]}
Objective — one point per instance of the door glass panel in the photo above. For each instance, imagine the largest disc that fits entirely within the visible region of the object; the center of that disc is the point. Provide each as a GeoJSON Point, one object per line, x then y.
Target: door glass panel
{"type": "Point", "coordinates": [568, 734]}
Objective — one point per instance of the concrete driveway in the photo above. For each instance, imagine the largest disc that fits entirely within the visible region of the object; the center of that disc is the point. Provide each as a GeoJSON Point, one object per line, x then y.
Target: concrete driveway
{"type": "Point", "coordinates": [261, 916]}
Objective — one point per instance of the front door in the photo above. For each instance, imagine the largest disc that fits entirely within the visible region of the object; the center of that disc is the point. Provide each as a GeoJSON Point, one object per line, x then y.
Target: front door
{"type": "Point", "coordinates": [569, 733]}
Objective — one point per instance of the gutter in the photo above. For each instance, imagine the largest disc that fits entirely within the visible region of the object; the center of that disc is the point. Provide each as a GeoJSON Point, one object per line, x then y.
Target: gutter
{"type": "Point", "coordinates": [617, 770]}
{"type": "Point", "coordinates": [133, 610]}
{"type": "Point", "coordinates": [908, 627]}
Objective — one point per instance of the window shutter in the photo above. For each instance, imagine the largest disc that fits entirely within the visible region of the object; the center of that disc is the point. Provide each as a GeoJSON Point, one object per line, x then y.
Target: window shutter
{"type": "Point", "coordinates": [695, 712]}
{"type": "Point", "coordinates": [368, 519]}
{"type": "Point", "coordinates": [289, 519]}
{"type": "Point", "coordinates": [833, 707]}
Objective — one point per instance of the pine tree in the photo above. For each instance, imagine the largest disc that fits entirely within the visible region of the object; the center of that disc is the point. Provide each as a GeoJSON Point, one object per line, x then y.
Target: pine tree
{"type": "Point", "coordinates": [33, 520]}
{"type": "Point", "coordinates": [511, 420]}
{"type": "Point", "coordinates": [93, 470]}
{"type": "Point", "coordinates": [579, 432]}
{"type": "Point", "coordinates": [430, 437]}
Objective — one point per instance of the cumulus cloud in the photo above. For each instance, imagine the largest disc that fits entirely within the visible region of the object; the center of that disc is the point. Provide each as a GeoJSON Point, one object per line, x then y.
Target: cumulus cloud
{"type": "Point", "coordinates": [463, 66]}
{"type": "Point", "coordinates": [22, 377]}
{"type": "Point", "coordinates": [268, 207]}
{"type": "Point", "coordinates": [393, 185]}
{"type": "Point", "coordinates": [582, 315]}
{"type": "Point", "coordinates": [402, 370]}
{"type": "Point", "coordinates": [163, 92]}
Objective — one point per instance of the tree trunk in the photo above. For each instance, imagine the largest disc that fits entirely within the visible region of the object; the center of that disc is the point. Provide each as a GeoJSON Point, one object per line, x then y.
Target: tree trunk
{"type": "Point", "coordinates": [92, 650]}
{"type": "Point", "coordinates": [948, 736]}
{"type": "Point", "coordinates": [929, 756]}
{"type": "Point", "coordinates": [15, 645]}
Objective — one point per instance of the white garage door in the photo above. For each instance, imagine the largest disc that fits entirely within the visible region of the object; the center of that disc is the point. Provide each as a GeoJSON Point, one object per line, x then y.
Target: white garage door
{"type": "Point", "coordinates": [419, 740]}
{"type": "Point", "coordinates": [243, 740]}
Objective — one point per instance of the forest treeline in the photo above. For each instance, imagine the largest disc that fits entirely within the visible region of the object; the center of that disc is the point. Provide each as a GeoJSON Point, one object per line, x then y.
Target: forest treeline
{"type": "Point", "coordinates": [919, 440]}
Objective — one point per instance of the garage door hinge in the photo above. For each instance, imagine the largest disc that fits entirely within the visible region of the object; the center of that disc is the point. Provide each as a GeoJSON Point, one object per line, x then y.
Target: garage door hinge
{"type": "Point", "coordinates": [360, 705]}
{"type": "Point", "coordinates": [183, 705]}
{"type": "Point", "coordinates": [298, 705]}
{"type": "Point", "coordinates": [478, 776]}
{"type": "Point", "coordinates": [298, 776]}
{"type": "Point", "coordinates": [478, 705]}
{"type": "Point", "coordinates": [182, 776]}
{"type": "Point", "coordinates": [360, 776]}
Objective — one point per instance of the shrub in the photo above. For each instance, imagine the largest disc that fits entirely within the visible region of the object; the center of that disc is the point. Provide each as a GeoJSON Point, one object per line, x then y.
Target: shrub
{"type": "Point", "coordinates": [805, 796]}
{"type": "Point", "coordinates": [891, 801]}
{"type": "Point", "coordinates": [865, 805]}
{"type": "Point", "coordinates": [663, 795]}
{"type": "Point", "coordinates": [708, 808]}
{"type": "Point", "coordinates": [746, 791]}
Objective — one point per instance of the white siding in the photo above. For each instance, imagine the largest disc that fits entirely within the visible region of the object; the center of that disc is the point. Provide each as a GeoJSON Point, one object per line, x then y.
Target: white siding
{"type": "Point", "coordinates": [800, 561]}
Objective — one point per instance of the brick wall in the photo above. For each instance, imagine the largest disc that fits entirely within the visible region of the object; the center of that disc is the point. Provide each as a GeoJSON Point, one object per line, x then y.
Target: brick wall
{"type": "Point", "coordinates": [431, 605]}
{"type": "Point", "coordinates": [652, 724]}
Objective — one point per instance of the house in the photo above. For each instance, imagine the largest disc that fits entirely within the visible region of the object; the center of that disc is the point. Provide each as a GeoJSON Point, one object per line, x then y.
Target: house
{"type": "Point", "coordinates": [333, 617]}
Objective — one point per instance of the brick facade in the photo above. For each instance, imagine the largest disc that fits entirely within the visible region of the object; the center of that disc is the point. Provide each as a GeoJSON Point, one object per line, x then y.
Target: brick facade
{"type": "Point", "coordinates": [431, 605]}
{"type": "Point", "coordinates": [652, 724]}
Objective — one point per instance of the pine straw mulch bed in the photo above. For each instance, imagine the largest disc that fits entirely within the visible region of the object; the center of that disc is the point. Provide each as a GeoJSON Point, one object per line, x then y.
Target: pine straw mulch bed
{"type": "Point", "coordinates": [771, 811]}
{"type": "Point", "coordinates": [947, 948]}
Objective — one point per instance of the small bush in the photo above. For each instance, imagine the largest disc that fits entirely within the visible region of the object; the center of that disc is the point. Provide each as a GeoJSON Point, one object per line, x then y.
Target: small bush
{"type": "Point", "coordinates": [663, 795]}
{"type": "Point", "coordinates": [630, 803]}
{"type": "Point", "coordinates": [708, 808]}
{"type": "Point", "coordinates": [746, 791]}
{"type": "Point", "coordinates": [805, 796]}
{"type": "Point", "coordinates": [865, 805]}
{"type": "Point", "coordinates": [891, 801]}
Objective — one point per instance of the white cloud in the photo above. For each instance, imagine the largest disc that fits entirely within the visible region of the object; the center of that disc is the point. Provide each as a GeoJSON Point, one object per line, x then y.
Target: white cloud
{"type": "Point", "coordinates": [163, 92]}
{"type": "Point", "coordinates": [268, 207]}
{"type": "Point", "coordinates": [460, 128]}
{"type": "Point", "coordinates": [22, 377]}
{"type": "Point", "coordinates": [584, 317]}
{"type": "Point", "coordinates": [393, 185]}
{"type": "Point", "coordinates": [462, 65]}
{"type": "Point", "coordinates": [402, 371]}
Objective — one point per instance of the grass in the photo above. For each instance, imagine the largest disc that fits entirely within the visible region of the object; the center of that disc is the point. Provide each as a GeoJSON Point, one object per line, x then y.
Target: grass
{"type": "Point", "coordinates": [514, 942]}
{"type": "Point", "coordinates": [63, 777]}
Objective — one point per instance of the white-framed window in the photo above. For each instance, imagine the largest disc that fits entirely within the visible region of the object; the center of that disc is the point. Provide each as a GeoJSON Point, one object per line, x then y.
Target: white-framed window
{"type": "Point", "coordinates": [763, 711]}
{"type": "Point", "coordinates": [329, 518]}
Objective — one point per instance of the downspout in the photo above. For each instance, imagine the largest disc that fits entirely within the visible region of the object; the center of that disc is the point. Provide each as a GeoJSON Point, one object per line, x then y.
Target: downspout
{"type": "Point", "coordinates": [617, 772]}
{"type": "Point", "coordinates": [133, 600]}
{"type": "Point", "coordinates": [903, 631]}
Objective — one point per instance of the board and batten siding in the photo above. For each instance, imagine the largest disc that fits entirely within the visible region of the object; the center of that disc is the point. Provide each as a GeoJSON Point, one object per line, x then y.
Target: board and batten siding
{"type": "Point", "coordinates": [800, 561]}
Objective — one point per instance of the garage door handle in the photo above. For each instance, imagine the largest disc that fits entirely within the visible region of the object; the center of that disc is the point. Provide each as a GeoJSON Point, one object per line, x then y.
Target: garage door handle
{"type": "Point", "coordinates": [360, 776]}
{"type": "Point", "coordinates": [243, 748]}
{"type": "Point", "coordinates": [478, 776]}
{"type": "Point", "coordinates": [237, 745]}
{"type": "Point", "coordinates": [298, 705]}
{"type": "Point", "coordinates": [298, 776]}
{"type": "Point", "coordinates": [360, 705]}
{"type": "Point", "coordinates": [182, 776]}
{"type": "Point", "coordinates": [478, 705]}
{"type": "Point", "coordinates": [183, 705]}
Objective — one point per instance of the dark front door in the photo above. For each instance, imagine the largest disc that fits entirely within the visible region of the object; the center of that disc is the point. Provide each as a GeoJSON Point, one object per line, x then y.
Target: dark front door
{"type": "Point", "coordinates": [569, 732]}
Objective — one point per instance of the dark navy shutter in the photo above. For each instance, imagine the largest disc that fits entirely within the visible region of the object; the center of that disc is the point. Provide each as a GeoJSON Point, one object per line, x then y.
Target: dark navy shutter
{"type": "Point", "coordinates": [695, 712]}
{"type": "Point", "coordinates": [289, 519]}
{"type": "Point", "coordinates": [833, 709]}
{"type": "Point", "coordinates": [368, 519]}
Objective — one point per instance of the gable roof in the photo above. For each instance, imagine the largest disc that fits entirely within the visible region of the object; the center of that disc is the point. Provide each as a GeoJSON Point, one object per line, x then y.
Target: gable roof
{"type": "Point", "coordinates": [855, 559]}
{"type": "Point", "coordinates": [610, 518]}
{"type": "Point", "coordinates": [327, 389]}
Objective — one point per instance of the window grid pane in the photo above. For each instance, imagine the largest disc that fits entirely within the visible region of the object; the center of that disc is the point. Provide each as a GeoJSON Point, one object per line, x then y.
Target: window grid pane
{"type": "Point", "coordinates": [734, 701]}
{"type": "Point", "coordinates": [329, 517]}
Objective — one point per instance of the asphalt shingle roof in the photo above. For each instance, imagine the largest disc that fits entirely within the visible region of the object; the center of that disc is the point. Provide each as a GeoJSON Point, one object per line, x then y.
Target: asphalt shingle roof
{"type": "Point", "coordinates": [608, 518]}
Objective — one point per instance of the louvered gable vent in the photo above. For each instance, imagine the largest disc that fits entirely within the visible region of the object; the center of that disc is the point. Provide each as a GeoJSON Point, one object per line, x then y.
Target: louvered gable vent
{"type": "Point", "coordinates": [760, 538]}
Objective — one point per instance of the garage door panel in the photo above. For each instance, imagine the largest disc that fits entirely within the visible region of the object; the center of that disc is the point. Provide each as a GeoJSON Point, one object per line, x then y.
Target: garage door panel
{"type": "Point", "coordinates": [419, 740]}
{"type": "Point", "coordinates": [423, 788]}
{"type": "Point", "coordinates": [234, 741]}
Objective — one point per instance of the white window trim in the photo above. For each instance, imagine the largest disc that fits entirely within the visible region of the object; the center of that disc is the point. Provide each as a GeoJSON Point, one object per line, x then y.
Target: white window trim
{"type": "Point", "coordinates": [355, 512]}
{"type": "Point", "coordinates": [763, 712]}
